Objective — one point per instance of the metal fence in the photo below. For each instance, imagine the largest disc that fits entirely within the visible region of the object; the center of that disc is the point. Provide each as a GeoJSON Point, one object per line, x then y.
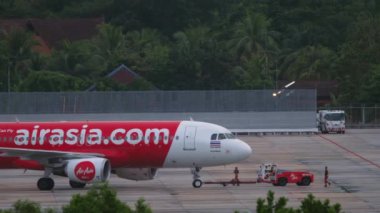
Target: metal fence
{"type": "Point", "coordinates": [156, 101]}
{"type": "Point", "coordinates": [360, 116]}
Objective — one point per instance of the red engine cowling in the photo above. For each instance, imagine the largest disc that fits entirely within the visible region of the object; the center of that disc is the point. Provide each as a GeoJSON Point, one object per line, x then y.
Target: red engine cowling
{"type": "Point", "coordinates": [137, 173]}
{"type": "Point", "coordinates": [88, 170]}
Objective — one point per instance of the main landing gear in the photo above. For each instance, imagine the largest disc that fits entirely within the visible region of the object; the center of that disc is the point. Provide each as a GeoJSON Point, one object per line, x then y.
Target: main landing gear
{"type": "Point", "coordinates": [197, 182]}
{"type": "Point", "coordinates": [46, 183]}
{"type": "Point", "coordinates": [76, 185]}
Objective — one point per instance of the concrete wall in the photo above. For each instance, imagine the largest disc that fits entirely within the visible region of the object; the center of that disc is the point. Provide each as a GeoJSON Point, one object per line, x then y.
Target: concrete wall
{"type": "Point", "coordinates": [231, 120]}
{"type": "Point", "coordinates": [234, 109]}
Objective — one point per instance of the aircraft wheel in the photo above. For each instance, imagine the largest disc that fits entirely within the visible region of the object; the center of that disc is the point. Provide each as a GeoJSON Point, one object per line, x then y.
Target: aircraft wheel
{"type": "Point", "coordinates": [305, 181]}
{"type": "Point", "coordinates": [282, 182]}
{"type": "Point", "coordinates": [45, 184]}
{"type": "Point", "coordinates": [77, 185]}
{"type": "Point", "coordinates": [197, 183]}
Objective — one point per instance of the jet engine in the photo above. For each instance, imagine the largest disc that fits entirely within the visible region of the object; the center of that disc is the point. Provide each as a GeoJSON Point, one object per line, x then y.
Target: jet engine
{"type": "Point", "coordinates": [88, 170]}
{"type": "Point", "coordinates": [136, 173]}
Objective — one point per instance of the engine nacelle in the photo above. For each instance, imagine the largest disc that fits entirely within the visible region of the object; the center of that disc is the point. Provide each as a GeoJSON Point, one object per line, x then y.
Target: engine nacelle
{"type": "Point", "coordinates": [88, 170]}
{"type": "Point", "coordinates": [136, 173]}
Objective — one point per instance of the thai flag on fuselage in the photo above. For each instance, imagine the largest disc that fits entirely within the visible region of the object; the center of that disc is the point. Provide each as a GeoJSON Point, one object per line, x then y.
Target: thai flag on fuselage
{"type": "Point", "coordinates": [215, 144]}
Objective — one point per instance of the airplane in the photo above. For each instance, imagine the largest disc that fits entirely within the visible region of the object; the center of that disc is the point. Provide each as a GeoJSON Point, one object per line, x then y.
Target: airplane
{"type": "Point", "coordinates": [89, 151]}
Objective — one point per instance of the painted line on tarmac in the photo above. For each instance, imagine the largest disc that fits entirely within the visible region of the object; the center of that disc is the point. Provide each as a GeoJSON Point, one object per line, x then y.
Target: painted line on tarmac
{"type": "Point", "coordinates": [349, 151]}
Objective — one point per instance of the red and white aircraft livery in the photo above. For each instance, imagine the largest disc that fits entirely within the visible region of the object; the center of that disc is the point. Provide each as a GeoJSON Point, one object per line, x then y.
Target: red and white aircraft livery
{"type": "Point", "coordinates": [87, 152]}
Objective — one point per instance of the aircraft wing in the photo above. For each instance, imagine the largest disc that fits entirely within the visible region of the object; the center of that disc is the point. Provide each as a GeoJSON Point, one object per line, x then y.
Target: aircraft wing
{"type": "Point", "coordinates": [37, 154]}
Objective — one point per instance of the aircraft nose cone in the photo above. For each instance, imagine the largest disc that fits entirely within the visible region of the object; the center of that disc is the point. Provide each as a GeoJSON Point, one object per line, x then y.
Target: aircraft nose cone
{"type": "Point", "coordinates": [245, 150]}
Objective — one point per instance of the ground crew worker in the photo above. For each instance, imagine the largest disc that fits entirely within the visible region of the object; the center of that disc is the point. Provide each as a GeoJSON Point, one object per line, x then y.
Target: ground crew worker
{"type": "Point", "coordinates": [236, 172]}
{"type": "Point", "coordinates": [327, 182]}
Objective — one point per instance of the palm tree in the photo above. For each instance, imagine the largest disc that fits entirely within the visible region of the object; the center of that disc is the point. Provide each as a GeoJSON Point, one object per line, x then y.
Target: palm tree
{"type": "Point", "coordinates": [252, 36]}
{"type": "Point", "coordinates": [110, 45]}
{"type": "Point", "coordinates": [253, 42]}
{"type": "Point", "coordinates": [308, 63]}
{"type": "Point", "coordinates": [18, 46]}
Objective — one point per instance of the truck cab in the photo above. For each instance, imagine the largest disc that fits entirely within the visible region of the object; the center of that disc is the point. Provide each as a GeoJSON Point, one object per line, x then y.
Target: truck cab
{"type": "Point", "coordinates": [331, 121]}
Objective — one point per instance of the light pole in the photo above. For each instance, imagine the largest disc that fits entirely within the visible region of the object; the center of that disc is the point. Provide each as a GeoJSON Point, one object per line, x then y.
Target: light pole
{"type": "Point", "coordinates": [9, 77]}
{"type": "Point", "coordinates": [9, 86]}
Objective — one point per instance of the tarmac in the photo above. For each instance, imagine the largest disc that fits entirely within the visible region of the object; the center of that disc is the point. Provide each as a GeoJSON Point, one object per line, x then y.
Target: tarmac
{"type": "Point", "coordinates": [353, 160]}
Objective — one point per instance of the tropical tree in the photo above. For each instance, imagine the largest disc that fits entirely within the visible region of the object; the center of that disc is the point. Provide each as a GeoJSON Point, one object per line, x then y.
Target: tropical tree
{"type": "Point", "coordinates": [17, 46]}
{"type": "Point", "coordinates": [270, 205]}
{"type": "Point", "coordinates": [49, 81]}
{"type": "Point", "coordinates": [252, 36]}
{"type": "Point", "coordinates": [109, 47]}
{"type": "Point", "coordinates": [71, 57]}
{"type": "Point", "coordinates": [27, 206]}
{"type": "Point", "coordinates": [254, 47]}
{"type": "Point", "coordinates": [99, 198]}
{"type": "Point", "coordinates": [199, 60]}
{"type": "Point", "coordinates": [149, 54]}
{"type": "Point", "coordinates": [308, 63]}
{"type": "Point", "coordinates": [358, 58]}
{"type": "Point", "coordinates": [370, 90]}
{"type": "Point", "coordinates": [94, 58]}
{"type": "Point", "coordinates": [310, 204]}
{"type": "Point", "coordinates": [4, 64]}
{"type": "Point", "coordinates": [251, 75]}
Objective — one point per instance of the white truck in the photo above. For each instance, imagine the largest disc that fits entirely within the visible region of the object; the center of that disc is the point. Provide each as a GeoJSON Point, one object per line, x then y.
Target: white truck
{"type": "Point", "coordinates": [331, 121]}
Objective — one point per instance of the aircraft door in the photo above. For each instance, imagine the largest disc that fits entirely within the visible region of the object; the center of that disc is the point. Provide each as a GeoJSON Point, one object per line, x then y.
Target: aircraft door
{"type": "Point", "coordinates": [189, 140]}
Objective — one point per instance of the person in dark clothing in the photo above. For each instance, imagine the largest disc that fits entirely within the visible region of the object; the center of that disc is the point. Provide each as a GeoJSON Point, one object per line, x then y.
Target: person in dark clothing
{"type": "Point", "coordinates": [236, 179]}
{"type": "Point", "coordinates": [327, 182]}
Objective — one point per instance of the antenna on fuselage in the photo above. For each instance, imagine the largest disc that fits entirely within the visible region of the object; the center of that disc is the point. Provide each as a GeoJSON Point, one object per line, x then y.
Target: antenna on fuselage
{"type": "Point", "coordinates": [17, 120]}
{"type": "Point", "coordinates": [191, 118]}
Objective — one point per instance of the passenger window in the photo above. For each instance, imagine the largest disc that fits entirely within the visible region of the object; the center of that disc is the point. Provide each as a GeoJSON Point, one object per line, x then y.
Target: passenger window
{"type": "Point", "coordinates": [221, 136]}
{"type": "Point", "coordinates": [214, 136]}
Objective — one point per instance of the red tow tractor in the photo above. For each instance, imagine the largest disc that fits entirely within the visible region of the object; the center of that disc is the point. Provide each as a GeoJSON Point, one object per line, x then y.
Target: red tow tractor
{"type": "Point", "coordinates": [269, 173]}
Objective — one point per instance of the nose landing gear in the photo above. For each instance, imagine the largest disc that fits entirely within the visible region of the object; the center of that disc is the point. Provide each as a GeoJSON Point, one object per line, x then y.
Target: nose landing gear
{"type": "Point", "coordinates": [197, 182]}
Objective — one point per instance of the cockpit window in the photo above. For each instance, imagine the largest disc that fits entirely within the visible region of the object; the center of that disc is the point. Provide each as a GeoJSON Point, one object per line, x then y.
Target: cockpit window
{"type": "Point", "coordinates": [221, 137]}
{"type": "Point", "coordinates": [230, 136]}
{"type": "Point", "coordinates": [214, 136]}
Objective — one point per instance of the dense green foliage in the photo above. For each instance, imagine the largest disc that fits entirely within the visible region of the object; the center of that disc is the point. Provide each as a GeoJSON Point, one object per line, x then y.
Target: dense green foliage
{"type": "Point", "coordinates": [308, 205]}
{"type": "Point", "coordinates": [27, 206]}
{"type": "Point", "coordinates": [100, 198]}
{"type": "Point", "coordinates": [213, 44]}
